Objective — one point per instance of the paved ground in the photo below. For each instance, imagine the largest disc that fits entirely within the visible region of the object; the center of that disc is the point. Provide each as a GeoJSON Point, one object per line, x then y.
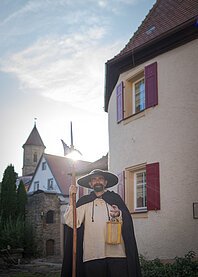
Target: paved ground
{"type": "Point", "coordinates": [42, 266]}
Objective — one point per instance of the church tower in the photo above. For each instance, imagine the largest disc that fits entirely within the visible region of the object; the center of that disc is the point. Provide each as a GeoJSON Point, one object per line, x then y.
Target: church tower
{"type": "Point", "coordinates": [33, 150]}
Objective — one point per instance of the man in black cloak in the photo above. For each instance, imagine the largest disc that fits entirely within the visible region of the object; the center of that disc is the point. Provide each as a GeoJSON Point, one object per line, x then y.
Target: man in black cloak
{"type": "Point", "coordinates": [95, 256]}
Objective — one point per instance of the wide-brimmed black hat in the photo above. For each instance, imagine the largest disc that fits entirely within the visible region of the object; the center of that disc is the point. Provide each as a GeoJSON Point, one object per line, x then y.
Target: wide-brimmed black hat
{"type": "Point", "coordinates": [111, 178]}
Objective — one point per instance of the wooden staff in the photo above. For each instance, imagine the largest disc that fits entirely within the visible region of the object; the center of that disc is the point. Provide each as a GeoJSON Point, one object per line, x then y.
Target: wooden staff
{"type": "Point", "coordinates": [74, 212]}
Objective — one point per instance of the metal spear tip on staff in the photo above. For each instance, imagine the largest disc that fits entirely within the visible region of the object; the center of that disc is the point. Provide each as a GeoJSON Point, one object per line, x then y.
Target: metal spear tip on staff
{"type": "Point", "coordinates": [74, 154]}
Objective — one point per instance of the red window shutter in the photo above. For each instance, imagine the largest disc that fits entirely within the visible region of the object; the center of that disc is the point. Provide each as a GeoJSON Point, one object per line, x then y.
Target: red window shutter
{"type": "Point", "coordinates": [153, 186]}
{"type": "Point", "coordinates": [80, 191]}
{"type": "Point", "coordinates": [119, 95]}
{"type": "Point", "coordinates": [151, 91]}
{"type": "Point", "coordinates": [121, 185]}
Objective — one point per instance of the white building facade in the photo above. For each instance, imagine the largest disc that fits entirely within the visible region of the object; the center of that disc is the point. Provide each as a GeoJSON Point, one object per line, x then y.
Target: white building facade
{"type": "Point", "coordinates": [153, 138]}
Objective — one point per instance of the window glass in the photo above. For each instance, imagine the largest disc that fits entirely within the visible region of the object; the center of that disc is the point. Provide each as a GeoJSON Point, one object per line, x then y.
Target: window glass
{"type": "Point", "coordinates": [50, 184]}
{"type": "Point", "coordinates": [139, 95]}
{"type": "Point", "coordinates": [140, 188]}
{"type": "Point", "coordinates": [36, 185]}
{"type": "Point", "coordinates": [44, 166]}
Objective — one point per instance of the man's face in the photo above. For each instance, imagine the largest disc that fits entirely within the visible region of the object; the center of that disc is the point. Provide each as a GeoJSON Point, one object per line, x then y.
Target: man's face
{"type": "Point", "coordinates": [98, 183]}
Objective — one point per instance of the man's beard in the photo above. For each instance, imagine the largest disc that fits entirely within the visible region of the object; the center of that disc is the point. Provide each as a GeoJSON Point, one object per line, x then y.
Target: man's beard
{"type": "Point", "coordinates": [98, 188]}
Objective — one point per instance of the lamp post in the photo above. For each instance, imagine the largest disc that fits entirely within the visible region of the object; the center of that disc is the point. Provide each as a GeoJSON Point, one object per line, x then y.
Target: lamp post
{"type": "Point", "coordinates": [72, 154]}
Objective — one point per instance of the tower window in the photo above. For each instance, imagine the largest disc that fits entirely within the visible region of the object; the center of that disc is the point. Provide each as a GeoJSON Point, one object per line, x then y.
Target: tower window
{"type": "Point", "coordinates": [50, 217]}
{"type": "Point", "coordinates": [35, 157]}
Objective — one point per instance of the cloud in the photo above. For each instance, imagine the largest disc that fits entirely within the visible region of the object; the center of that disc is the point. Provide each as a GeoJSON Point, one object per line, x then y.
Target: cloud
{"type": "Point", "coordinates": [69, 69]}
{"type": "Point", "coordinates": [29, 7]}
{"type": "Point", "coordinates": [68, 63]}
{"type": "Point", "coordinates": [35, 7]}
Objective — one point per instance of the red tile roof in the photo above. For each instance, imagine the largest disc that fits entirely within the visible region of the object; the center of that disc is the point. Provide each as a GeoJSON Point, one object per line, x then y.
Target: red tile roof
{"type": "Point", "coordinates": [101, 163]}
{"type": "Point", "coordinates": [61, 169]}
{"type": "Point", "coordinates": [165, 16]}
{"type": "Point", "coordinates": [34, 138]}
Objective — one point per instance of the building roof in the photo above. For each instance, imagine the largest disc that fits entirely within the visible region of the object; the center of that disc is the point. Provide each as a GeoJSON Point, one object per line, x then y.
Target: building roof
{"type": "Point", "coordinates": [34, 138]}
{"type": "Point", "coordinates": [169, 24]}
{"type": "Point", "coordinates": [166, 15]}
{"type": "Point", "coordinates": [26, 181]}
{"type": "Point", "coordinates": [61, 169]}
{"type": "Point", "coordinates": [101, 163]}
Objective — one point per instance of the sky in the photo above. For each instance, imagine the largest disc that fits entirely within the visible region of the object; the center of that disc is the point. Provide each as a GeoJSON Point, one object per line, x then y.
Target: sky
{"type": "Point", "coordinates": [52, 71]}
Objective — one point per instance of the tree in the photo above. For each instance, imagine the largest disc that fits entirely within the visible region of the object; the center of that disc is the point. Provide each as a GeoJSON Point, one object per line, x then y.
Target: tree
{"type": "Point", "coordinates": [8, 194]}
{"type": "Point", "coordinates": [21, 199]}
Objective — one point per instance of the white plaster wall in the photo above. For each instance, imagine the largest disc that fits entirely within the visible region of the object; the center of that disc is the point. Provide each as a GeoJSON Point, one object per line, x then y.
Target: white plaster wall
{"type": "Point", "coordinates": [168, 134]}
{"type": "Point", "coordinates": [42, 176]}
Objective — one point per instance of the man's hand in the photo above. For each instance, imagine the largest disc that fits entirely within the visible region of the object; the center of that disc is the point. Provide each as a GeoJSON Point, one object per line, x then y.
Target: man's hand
{"type": "Point", "coordinates": [72, 190]}
{"type": "Point", "coordinates": [114, 212]}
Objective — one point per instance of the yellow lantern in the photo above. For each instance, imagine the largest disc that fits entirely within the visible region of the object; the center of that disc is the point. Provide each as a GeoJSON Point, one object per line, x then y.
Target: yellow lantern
{"type": "Point", "coordinates": [113, 232]}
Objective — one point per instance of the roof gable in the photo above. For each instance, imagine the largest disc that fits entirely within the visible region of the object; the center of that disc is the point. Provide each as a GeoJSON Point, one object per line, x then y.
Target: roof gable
{"type": "Point", "coordinates": [60, 168]}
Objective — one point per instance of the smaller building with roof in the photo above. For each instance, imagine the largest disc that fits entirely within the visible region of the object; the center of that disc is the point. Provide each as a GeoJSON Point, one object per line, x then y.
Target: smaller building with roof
{"type": "Point", "coordinates": [48, 178]}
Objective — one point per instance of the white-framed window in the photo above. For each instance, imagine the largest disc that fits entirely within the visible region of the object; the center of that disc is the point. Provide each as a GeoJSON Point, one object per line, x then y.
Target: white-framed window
{"type": "Point", "coordinates": [44, 165]}
{"type": "Point", "coordinates": [134, 94]}
{"type": "Point", "coordinates": [138, 96]}
{"type": "Point", "coordinates": [137, 92]}
{"type": "Point", "coordinates": [50, 184]}
{"type": "Point", "coordinates": [140, 190]}
{"type": "Point", "coordinates": [142, 187]}
{"type": "Point", "coordinates": [36, 185]}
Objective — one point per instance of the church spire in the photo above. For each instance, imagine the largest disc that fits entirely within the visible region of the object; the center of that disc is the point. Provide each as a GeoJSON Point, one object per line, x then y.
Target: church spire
{"type": "Point", "coordinates": [34, 138]}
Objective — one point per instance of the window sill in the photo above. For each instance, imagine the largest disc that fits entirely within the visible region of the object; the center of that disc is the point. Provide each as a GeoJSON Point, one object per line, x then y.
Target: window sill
{"type": "Point", "coordinates": [133, 117]}
{"type": "Point", "coordinates": [140, 214]}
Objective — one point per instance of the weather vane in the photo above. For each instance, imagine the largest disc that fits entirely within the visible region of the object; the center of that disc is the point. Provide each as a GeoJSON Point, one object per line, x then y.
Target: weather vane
{"type": "Point", "coordinates": [35, 119]}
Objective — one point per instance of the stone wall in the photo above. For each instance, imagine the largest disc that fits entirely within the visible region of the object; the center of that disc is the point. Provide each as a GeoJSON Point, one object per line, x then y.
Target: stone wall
{"type": "Point", "coordinates": [47, 235]}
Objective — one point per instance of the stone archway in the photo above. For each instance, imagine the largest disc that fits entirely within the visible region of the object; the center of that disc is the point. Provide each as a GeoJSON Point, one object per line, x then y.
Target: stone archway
{"type": "Point", "coordinates": [50, 247]}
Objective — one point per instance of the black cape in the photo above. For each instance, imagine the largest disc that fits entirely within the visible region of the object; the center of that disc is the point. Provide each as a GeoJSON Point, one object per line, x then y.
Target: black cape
{"type": "Point", "coordinates": [111, 198]}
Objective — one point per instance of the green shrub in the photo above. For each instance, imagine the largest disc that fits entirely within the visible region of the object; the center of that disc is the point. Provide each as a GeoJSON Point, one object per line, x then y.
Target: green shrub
{"type": "Point", "coordinates": [181, 267]}
{"type": "Point", "coordinates": [12, 233]}
{"type": "Point", "coordinates": [17, 234]}
{"type": "Point", "coordinates": [29, 243]}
